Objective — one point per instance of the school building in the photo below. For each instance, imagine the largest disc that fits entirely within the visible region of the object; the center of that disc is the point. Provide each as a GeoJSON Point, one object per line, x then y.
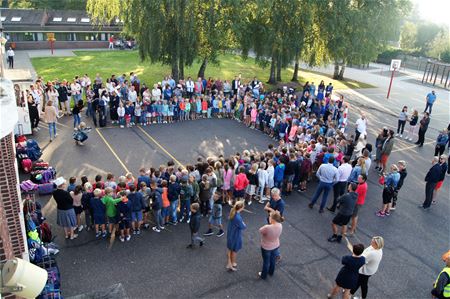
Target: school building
{"type": "Point", "coordinates": [72, 29]}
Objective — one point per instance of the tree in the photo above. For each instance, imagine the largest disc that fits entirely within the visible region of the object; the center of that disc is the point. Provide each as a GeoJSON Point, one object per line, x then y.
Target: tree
{"type": "Point", "coordinates": [440, 44]}
{"type": "Point", "coordinates": [164, 29]}
{"type": "Point", "coordinates": [426, 33]}
{"type": "Point", "coordinates": [408, 36]}
{"type": "Point", "coordinates": [357, 30]}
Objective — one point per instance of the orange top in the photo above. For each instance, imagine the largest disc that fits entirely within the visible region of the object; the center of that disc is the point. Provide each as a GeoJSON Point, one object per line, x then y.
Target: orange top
{"type": "Point", "coordinates": [182, 105]}
{"type": "Point", "coordinates": [165, 198]}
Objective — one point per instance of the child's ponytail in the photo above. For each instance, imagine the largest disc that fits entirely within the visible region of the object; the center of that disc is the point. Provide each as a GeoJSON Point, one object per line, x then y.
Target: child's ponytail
{"type": "Point", "coordinates": [237, 206]}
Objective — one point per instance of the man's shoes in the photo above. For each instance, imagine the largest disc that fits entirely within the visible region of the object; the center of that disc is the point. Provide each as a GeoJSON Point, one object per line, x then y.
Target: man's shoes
{"type": "Point", "coordinates": [310, 205]}
{"type": "Point", "coordinates": [339, 239]}
{"type": "Point", "coordinates": [190, 246]}
{"type": "Point", "coordinates": [321, 211]}
{"type": "Point", "coordinates": [201, 243]}
{"type": "Point", "coordinates": [220, 233]}
{"type": "Point", "coordinates": [331, 210]}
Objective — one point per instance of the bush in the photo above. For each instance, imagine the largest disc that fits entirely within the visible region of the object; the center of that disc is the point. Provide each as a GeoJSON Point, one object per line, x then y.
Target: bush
{"type": "Point", "coordinates": [386, 56]}
{"type": "Point", "coordinates": [445, 56]}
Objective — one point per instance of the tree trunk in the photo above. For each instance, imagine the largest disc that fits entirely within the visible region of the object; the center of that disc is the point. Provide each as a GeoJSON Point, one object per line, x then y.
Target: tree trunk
{"type": "Point", "coordinates": [175, 71]}
{"type": "Point", "coordinates": [181, 68]}
{"type": "Point", "coordinates": [341, 72]}
{"type": "Point", "coordinates": [279, 69]}
{"type": "Point", "coordinates": [295, 75]}
{"type": "Point", "coordinates": [272, 71]}
{"type": "Point", "coordinates": [201, 71]}
{"type": "Point", "coordinates": [336, 70]}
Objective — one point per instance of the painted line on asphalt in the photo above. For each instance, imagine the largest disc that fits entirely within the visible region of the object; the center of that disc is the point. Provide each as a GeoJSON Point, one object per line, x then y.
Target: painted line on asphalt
{"type": "Point", "coordinates": [160, 146]}
{"type": "Point", "coordinates": [112, 151]}
{"type": "Point", "coordinates": [411, 147]}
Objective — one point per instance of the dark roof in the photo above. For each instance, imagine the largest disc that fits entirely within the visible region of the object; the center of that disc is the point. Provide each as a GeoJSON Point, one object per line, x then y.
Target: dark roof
{"type": "Point", "coordinates": [48, 20]}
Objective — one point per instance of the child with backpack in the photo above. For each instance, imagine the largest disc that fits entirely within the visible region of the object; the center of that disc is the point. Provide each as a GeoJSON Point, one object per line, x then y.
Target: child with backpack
{"type": "Point", "coordinates": [111, 210]}
{"type": "Point", "coordinates": [215, 219]}
{"type": "Point", "coordinates": [156, 198]}
{"type": "Point", "coordinates": [99, 213]}
{"type": "Point", "coordinates": [204, 195]}
{"type": "Point", "coordinates": [81, 134]}
{"type": "Point", "coordinates": [186, 193]}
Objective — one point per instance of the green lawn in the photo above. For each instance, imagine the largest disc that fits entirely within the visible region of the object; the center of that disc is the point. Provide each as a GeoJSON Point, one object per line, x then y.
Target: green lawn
{"type": "Point", "coordinates": [118, 62]}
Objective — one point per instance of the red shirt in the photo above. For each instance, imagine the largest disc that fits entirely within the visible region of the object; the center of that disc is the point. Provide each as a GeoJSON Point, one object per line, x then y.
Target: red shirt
{"type": "Point", "coordinates": [240, 182]}
{"type": "Point", "coordinates": [361, 190]}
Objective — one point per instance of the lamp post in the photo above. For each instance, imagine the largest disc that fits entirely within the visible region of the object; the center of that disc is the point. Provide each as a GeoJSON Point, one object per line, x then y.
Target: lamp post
{"type": "Point", "coordinates": [2, 51]}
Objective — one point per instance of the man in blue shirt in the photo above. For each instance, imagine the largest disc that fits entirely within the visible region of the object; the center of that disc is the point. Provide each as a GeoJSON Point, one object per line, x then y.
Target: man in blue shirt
{"type": "Point", "coordinates": [431, 98]}
{"type": "Point", "coordinates": [276, 203]}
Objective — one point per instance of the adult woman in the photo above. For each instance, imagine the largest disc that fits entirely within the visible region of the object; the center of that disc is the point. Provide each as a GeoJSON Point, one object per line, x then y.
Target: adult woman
{"type": "Point", "coordinates": [360, 168]}
{"type": "Point", "coordinates": [424, 122]}
{"type": "Point", "coordinates": [378, 144]}
{"type": "Point", "coordinates": [34, 113]}
{"type": "Point", "coordinates": [402, 118]}
{"type": "Point", "coordinates": [65, 214]}
{"type": "Point", "coordinates": [50, 117]}
{"type": "Point", "coordinates": [373, 255]}
{"type": "Point", "coordinates": [78, 208]}
{"type": "Point", "coordinates": [270, 242]}
{"type": "Point", "coordinates": [234, 235]}
{"type": "Point", "coordinates": [347, 277]}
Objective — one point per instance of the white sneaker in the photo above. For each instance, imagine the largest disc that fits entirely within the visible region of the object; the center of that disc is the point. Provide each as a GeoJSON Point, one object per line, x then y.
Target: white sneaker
{"type": "Point", "coordinates": [396, 135]}
{"type": "Point", "coordinates": [80, 228]}
{"type": "Point", "coordinates": [401, 136]}
{"type": "Point", "coordinates": [155, 229]}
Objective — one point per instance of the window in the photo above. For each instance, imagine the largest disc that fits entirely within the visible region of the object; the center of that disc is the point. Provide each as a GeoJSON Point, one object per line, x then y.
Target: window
{"type": "Point", "coordinates": [71, 19]}
{"type": "Point", "coordinates": [16, 19]}
{"type": "Point", "coordinates": [40, 36]}
{"type": "Point", "coordinates": [3, 19]}
{"type": "Point", "coordinates": [85, 20]}
{"type": "Point", "coordinates": [57, 19]}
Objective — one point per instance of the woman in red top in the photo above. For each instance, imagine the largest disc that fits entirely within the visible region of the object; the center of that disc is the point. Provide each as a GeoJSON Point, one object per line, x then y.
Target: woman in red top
{"type": "Point", "coordinates": [361, 190]}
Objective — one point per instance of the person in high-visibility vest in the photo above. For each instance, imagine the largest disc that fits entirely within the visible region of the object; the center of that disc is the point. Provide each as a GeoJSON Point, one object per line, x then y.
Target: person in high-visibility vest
{"type": "Point", "coordinates": [441, 288]}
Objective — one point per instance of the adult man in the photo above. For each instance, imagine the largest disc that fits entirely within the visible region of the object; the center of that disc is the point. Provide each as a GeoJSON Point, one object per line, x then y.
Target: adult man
{"type": "Point", "coordinates": [235, 85]}
{"type": "Point", "coordinates": [190, 87]}
{"type": "Point", "coordinates": [276, 203]}
{"type": "Point", "coordinates": [329, 89]}
{"type": "Point", "coordinates": [75, 89]}
{"type": "Point", "coordinates": [10, 54]}
{"type": "Point", "coordinates": [441, 288]}
{"type": "Point", "coordinates": [327, 175]}
{"type": "Point", "coordinates": [431, 98]}
{"type": "Point", "coordinates": [63, 97]}
{"type": "Point", "coordinates": [347, 204]}
{"type": "Point", "coordinates": [444, 168]}
{"type": "Point", "coordinates": [361, 126]}
{"type": "Point", "coordinates": [424, 122]}
{"type": "Point", "coordinates": [432, 178]}
{"type": "Point", "coordinates": [344, 171]}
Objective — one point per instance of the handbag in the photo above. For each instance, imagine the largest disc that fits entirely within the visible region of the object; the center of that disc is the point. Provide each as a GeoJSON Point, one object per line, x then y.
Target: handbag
{"type": "Point", "coordinates": [381, 180]}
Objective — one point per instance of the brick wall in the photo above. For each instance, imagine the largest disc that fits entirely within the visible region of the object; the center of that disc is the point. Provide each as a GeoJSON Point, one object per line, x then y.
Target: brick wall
{"type": "Point", "coordinates": [11, 227]}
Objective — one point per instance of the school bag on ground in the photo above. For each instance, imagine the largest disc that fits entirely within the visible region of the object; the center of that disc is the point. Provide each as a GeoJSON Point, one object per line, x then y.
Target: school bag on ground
{"type": "Point", "coordinates": [45, 189]}
{"type": "Point", "coordinates": [46, 233]}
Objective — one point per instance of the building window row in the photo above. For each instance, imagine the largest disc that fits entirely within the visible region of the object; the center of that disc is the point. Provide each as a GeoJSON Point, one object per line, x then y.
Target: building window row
{"type": "Point", "coordinates": [59, 36]}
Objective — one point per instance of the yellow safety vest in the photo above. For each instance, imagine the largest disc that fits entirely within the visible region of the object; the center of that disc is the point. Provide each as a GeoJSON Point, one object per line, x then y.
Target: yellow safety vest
{"type": "Point", "coordinates": [446, 292]}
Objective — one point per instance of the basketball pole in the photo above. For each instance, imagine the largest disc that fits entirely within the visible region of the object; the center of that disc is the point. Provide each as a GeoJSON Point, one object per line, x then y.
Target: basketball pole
{"type": "Point", "coordinates": [390, 84]}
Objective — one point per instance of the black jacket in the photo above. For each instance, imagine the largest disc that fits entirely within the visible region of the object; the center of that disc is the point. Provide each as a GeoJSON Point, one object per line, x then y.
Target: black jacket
{"type": "Point", "coordinates": [434, 174]}
{"type": "Point", "coordinates": [194, 225]}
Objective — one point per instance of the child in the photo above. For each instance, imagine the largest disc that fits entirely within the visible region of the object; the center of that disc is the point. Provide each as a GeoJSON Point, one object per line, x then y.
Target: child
{"type": "Point", "coordinates": [156, 198]}
{"type": "Point", "coordinates": [204, 195]}
{"type": "Point", "coordinates": [80, 134]}
{"type": "Point", "coordinates": [98, 209]}
{"type": "Point", "coordinates": [72, 185]}
{"type": "Point", "coordinates": [111, 211]}
{"type": "Point", "coordinates": [262, 179]}
{"type": "Point", "coordinates": [86, 203]}
{"type": "Point", "coordinates": [139, 114]}
{"type": "Point", "coordinates": [76, 113]}
{"type": "Point", "coordinates": [186, 193]}
{"type": "Point", "coordinates": [279, 175]}
{"type": "Point", "coordinates": [121, 114]}
{"type": "Point", "coordinates": [165, 111]}
{"type": "Point", "coordinates": [124, 213]}
{"type": "Point", "coordinates": [215, 220]}
{"type": "Point", "coordinates": [128, 120]}
{"type": "Point", "coordinates": [194, 225]}
{"type": "Point", "coordinates": [165, 202]}
{"type": "Point", "coordinates": [145, 192]}
{"type": "Point", "coordinates": [110, 182]}
{"type": "Point", "coordinates": [253, 183]}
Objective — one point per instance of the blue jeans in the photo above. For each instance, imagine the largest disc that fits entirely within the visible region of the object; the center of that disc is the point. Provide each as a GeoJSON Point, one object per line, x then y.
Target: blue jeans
{"type": "Point", "coordinates": [325, 187]}
{"type": "Point", "coordinates": [185, 209]}
{"type": "Point", "coordinates": [159, 218]}
{"type": "Point", "coordinates": [76, 120]}
{"type": "Point", "coordinates": [89, 110]}
{"type": "Point", "coordinates": [52, 127]}
{"type": "Point", "coordinates": [429, 105]}
{"type": "Point", "coordinates": [269, 257]}
{"type": "Point", "coordinates": [173, 210]}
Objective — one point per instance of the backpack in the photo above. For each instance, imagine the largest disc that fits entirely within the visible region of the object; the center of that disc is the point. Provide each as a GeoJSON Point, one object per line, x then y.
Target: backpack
{"type": "Point", "coordinates": [46, 233]}
{"type": "Point", "coordinates": [26, 165]}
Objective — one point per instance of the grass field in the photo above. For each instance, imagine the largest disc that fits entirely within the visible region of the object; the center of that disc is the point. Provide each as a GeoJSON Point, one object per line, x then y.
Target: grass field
{"type": "Point", "coordinates": [118, 62]}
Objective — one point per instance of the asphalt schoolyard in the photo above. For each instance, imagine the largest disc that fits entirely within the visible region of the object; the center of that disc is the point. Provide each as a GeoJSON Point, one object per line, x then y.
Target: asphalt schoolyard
{"type": "Point", "coordinates": [159, 265]}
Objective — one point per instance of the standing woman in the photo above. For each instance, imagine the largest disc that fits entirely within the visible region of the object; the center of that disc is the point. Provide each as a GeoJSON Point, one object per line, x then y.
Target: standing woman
{"type": "Point", "coordinates": [50, 117]}
{"type": "Point", "coordinates": [373, 255]}
{"type": "Point", "coordinates": [65, 214]}
{"type": "Point", "coordinates": [347, 277]}
{"type": "Point", "coordinates": [424, 122]}
{"type": "Point", "coordinates": [402, 118]}
{"type": "Point", "coordinates": [34, 112]}
{"type": "Point", "coordinates": [234, 235]}
{"type": "Point", "coordinates": [413, 127]}
{"type": "Point", "coordinates": [270, 243]}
